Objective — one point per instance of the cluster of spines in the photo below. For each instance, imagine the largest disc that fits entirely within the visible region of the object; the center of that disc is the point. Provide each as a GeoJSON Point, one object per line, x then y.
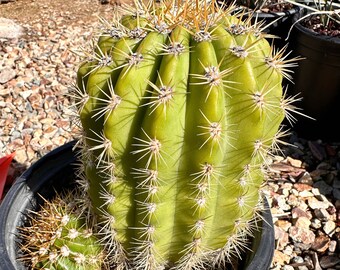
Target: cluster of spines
{"type": "Point", "coordinates": [59, 237]}
{"type": "Point", "coordinates": [100, 100]}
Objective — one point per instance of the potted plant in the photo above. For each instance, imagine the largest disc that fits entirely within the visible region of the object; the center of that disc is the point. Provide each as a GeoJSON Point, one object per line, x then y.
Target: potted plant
{"type": "Point", "coordinates": [275, 17]}
{"type": "Point", "coordinates": [179, 107]}
{"type": "Point", "coordinates": [55, 172]}
{"type": "Point", "coordinates": [315, 36]}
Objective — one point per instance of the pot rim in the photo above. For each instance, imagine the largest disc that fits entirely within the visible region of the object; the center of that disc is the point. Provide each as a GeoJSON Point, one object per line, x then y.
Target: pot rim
{"type": "Point", "coordinates": [313, 34]}
{"type": "Point", "coordinates": [294, 10]}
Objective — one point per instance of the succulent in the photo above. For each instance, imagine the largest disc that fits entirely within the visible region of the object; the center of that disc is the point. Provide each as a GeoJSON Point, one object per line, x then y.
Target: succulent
{"type": "Point", "coordinates": [180, 104]}
{"type": "Point", "coordinates": [58, 237]}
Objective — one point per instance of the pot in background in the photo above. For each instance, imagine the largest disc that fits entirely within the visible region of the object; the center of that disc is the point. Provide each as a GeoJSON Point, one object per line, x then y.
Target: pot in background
{"type": "Point", "coordinates": [278, 23]}
{"type": "Point", "coordinates": [317, 80]}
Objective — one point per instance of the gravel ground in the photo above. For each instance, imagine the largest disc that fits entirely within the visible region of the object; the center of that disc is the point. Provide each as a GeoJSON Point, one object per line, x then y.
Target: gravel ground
{"type": "Point", "coordinates": [36, 71]}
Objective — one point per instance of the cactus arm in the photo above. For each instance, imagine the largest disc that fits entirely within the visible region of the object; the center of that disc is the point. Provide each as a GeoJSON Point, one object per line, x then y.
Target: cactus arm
{"type": "Point", "coordinates": [79, 248]}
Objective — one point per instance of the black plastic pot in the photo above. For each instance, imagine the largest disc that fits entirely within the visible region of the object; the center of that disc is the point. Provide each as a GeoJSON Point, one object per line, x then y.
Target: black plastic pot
{"type": "Point", "coordinates": [274, 23]}
{"type": "Point", "coordinates": [55, 171]}
{"type": "Point", "coordinates": [318, 80]}
{"type": "Point", "coordinates": [52, 172]}
{"type": "Point", "coordinates": [278, 23]}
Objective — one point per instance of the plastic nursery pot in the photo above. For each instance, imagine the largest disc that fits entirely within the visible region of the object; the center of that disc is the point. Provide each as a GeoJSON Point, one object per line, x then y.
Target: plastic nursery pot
{"type": "Point", "coordinates": [274, 23]}
{"type": "Point", "coordinates": [277, 23]}
{"type": "Point", "coordinates": [52, 172]}
{"type": "Point", "coordinates": [317, 80]}
{"type": "Point", "coordinates": [55, 171]}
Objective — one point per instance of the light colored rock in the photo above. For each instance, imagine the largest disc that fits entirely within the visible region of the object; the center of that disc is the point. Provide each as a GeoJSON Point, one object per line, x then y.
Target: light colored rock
{"type": "Point", "coordinates": [294, 162]}
{"type": "Point", "coordinates": [298, 212]}
{"type": "Point", "coordinates": [9, 29]}
{"type": "Point", "coordinates": [314, 203]}
{"type": "Point", "coordinates": [332, 246]}
{"type": "Point", "coordinates": [280, 258]}
{"type": "Point", "coordinates": [6, 74]}
{"type": "Point", "coordinates": [302, 235]}
{"type": "Point", "coordinates": [329, 227]}
{"type": "Point", "coordinates": [288, 267]}
{"type": "Point", "coordinates": [282, 237]}
{"type": "Point", "coordinates": [25, 94]}
{"type": "Point", "coordinates": [302, 222]}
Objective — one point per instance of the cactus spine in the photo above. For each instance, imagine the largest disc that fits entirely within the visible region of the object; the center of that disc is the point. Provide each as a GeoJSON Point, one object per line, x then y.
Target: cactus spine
{"type": "Point", "coordinates": [58, 237]}
{"type": "Point", "coordinates": [180, 105]}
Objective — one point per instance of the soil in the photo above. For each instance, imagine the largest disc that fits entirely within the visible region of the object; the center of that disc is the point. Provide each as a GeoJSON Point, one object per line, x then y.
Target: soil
{"type": "Point", "coordinates": [276, 6]}
{"type": "Point", "coordinates": [73, 11]}
{"type": "Point", "coordinates": [269, 7]}
{"type": "Point", "coordinates": [328, 28]}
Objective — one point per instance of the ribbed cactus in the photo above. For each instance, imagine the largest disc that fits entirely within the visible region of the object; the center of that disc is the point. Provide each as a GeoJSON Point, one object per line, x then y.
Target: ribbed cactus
{"type": "Point", "coordinates": [58, 237]}
{"type": "Point", "coordinates": [180, 104]}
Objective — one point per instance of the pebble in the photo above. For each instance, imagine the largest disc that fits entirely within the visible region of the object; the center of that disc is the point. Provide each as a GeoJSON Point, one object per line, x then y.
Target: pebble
{"type": "Point", "coordinates": [321, 243]}
{"type": "Point", "coordinates": [35, 112]}
{"type": "Point", "coordinates": [329, 261]}
{"type": "Point", "coordinates": [312, 223]}
{"type": "Point", "coordinates": [6, 74]}
{"type": "Point", "coordinates": [329, 227]}
{"type": "Point", "coordinates": [9, 29]}
{"type": "Point", "coordinates": [321, 214]}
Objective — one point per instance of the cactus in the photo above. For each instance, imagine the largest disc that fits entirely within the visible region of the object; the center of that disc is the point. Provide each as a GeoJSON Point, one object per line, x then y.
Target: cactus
{"type": "Point", "coordinates": [58, 237]}
{"type": "Point", "coordinates": [179, 104]}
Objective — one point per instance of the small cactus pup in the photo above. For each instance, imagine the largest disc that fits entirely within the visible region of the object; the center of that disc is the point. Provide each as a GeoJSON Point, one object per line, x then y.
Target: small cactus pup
{"type": "Point", "coordinates": [180, 104]}
{"type": "Point", "coordinates": [57, 237]}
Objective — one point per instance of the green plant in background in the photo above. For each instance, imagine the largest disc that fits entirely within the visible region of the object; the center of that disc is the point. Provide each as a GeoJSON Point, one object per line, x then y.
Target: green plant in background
{"type": "Point", "coordinates": [180, 105]}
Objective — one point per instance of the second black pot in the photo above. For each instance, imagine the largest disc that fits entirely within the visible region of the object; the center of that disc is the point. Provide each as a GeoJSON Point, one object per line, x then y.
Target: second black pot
{"type": "Point", "coordinates": [54, 172]}
{"type": "Point", "coordinates": [317, 80]}
{"type": "Point", "coordinates": [277, 24]}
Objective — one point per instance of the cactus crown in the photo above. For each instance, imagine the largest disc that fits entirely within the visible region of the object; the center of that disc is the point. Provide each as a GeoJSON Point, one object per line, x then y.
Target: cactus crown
{"type": "Point", "coordinates": [180, 103]}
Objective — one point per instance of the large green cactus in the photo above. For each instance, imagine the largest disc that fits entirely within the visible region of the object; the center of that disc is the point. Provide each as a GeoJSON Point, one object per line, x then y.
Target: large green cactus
{"type": "Point", "coordinates": [180, 105]}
